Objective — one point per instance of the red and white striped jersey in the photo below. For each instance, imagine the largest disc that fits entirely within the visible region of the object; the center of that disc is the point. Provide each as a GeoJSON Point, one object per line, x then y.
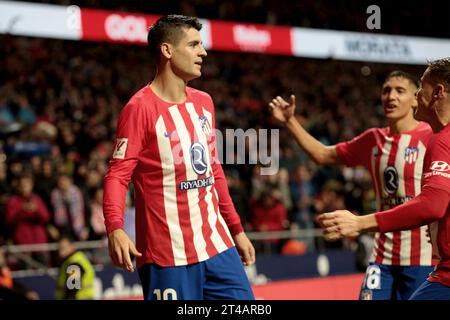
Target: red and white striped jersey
{"type": "Point", "coordinates": [184, 213]}
{"type": "Point", "coordinates": [436, 174]}
{"type": "Point", "coordinates": [395, 162]}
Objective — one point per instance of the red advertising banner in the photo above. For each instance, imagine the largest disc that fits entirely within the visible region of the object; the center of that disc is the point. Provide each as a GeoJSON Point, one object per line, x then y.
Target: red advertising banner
{"type": "Point", "coordinates": [113, 26]}
{"type": "Point", "coordinates": [122, 27]}
{"type": "Point", "coordinates": [228, 36]}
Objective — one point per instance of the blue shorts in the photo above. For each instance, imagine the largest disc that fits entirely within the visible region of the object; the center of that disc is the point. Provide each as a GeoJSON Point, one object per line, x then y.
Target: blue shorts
{"type": "Point", "coordinates": [221, 277]}
{"type": "Point", "coordinates": [431, 291]}
{"type": "Point", "coordinates": [383, 282]}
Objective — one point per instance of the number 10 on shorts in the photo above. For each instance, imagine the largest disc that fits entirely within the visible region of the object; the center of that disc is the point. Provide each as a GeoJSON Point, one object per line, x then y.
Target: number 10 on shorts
{"type": "Point", "coordinates": [167, 294]}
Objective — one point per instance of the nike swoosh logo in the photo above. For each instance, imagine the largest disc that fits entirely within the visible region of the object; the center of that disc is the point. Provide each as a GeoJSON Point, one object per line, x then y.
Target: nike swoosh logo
{"type": "Point", "coordinates": [167, 135]}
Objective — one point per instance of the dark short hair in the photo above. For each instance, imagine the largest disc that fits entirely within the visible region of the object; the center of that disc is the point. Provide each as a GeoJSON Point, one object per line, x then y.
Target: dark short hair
{"type": "Point", "coordinates": [405, 75]}
{"type": "Point", "coordinates": [439, 72]}
{"type": "Point", "coordinates": [169, 29]}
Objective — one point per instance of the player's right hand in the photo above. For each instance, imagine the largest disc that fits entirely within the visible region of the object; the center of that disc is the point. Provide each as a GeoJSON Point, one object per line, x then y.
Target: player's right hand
{"type": "Point", "coordinates": [339, 224]}
{"type": "Point", "coordinates": [120, 247]}
{"type": "Point", "coordinates": [245, 248]}
{"type": "Point", "coordinates": [281, 109]}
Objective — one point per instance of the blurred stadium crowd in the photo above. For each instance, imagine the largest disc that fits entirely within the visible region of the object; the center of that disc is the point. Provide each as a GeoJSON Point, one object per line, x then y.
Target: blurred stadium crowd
{"type": "Point", "coordinates": [59, 103]}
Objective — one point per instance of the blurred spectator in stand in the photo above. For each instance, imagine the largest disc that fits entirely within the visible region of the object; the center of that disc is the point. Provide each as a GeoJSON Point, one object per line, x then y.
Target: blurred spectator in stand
{"type": "Point", "coordinates": [68, 206]}
{"type": "Point", "coordinates": [89, 181]}
{"type": "Point", "coordinates": [258, 182]}
{"type": "Point", "coordinates": [26, 114]}
{"type": "Point", "coordinates": [289, 157]}
{"type": "Point", "coordinates": [6, 114]}
{"type": "Point", "coordinates": [8, 122]}
{"type": "Point", "coordinates": [269, 214]}
{"type": "Point", "coordinates": [261, 183]}
{"type": "Point", "coordinates": [303, 192]}
{"type": "Point", "coordinates": [76, 274]}
{"type": "Point", "coordinates": [282, 184]}
{"type": "Point", "coordinates": [27, 216]}
{"type": "Point", "coordinates": [94, 181]}
{"type": "Point", "coordinates": [71, 160]}
{"type": "Point", "coordinates": [97, 221]}
{"type": "Point", "coordinates": [330, 198]}
{"type": "Point", "coordinates": [47, 181]}
{"type": "Point", "coordinates": [239, 196]}
{"type": "Point", "coordinates": [5, 190]}
{"type": "Point", "coordinates": [35, 165]}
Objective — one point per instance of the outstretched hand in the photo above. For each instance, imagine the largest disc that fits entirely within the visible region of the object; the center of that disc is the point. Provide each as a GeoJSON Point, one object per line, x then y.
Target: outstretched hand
{"type": "Point", "coordinates": [245, 249]}
{"type": "Point", "coordinates": [120, 247]}
{"type": "Point", "coordinates": [281, 109]}
{"type": "Point", "coordinates": [339, 224]}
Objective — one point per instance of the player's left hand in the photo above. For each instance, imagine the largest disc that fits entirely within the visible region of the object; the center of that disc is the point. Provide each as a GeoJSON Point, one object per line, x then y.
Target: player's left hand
{"type": "Point", "coordinates": [339, 224]}
{"type": "Point", "coordinates": [245, 248]}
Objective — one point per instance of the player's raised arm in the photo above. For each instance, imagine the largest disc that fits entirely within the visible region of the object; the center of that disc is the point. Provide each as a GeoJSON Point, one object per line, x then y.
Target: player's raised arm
{"type": "Point", "coordinates": [284, 112]}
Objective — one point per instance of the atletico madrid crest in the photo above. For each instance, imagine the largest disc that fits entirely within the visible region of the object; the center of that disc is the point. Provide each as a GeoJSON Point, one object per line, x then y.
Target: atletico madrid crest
{"type": "Point", "coordinates": [411, 154]}
{"type": "Point", "coordinates": [206, 126]}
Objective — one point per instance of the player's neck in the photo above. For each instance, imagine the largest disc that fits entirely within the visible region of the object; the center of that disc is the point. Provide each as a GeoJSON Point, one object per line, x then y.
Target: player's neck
{"type": "Point", "coordinates": [441, 118]}
{"type": "Point", "coordinates": [403, 125]}
{"type": "Point", "coordinates": [169, 88]}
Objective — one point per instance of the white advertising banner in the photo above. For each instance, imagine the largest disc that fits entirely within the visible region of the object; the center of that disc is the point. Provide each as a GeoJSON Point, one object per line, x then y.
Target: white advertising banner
{"type": "Point", "coordinates": [40, 20]}
{"type": "Point", "coordinates": [205, 33]}
{"type": "Point", "coordinates": [367, 47]}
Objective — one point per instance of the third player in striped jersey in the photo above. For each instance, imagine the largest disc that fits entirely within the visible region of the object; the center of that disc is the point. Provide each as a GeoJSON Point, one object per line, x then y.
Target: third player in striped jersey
{"type": "Point", "coordinates": [431, 206]}
{"type": "Point", "coordinates": [401, 260]}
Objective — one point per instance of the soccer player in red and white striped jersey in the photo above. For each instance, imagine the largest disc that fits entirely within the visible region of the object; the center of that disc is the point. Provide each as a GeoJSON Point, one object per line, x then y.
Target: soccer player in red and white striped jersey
{"type": "Point", "coordinates": [186, 224]}
{"type": "Point", "coordinates": [401, 260]}
{"type": "Point", "coordinates": [431, 206]}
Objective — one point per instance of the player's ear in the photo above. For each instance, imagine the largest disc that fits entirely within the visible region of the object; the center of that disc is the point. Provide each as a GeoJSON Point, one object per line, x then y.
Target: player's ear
{"type": "Point", "coordinates": [166, 50]}
{"type": "Point", "coordinates": [438, 91]}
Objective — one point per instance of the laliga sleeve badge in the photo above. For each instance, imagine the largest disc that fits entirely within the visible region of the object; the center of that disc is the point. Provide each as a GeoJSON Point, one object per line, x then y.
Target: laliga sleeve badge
{"type": "Point", "coordinates": [120, 148]}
